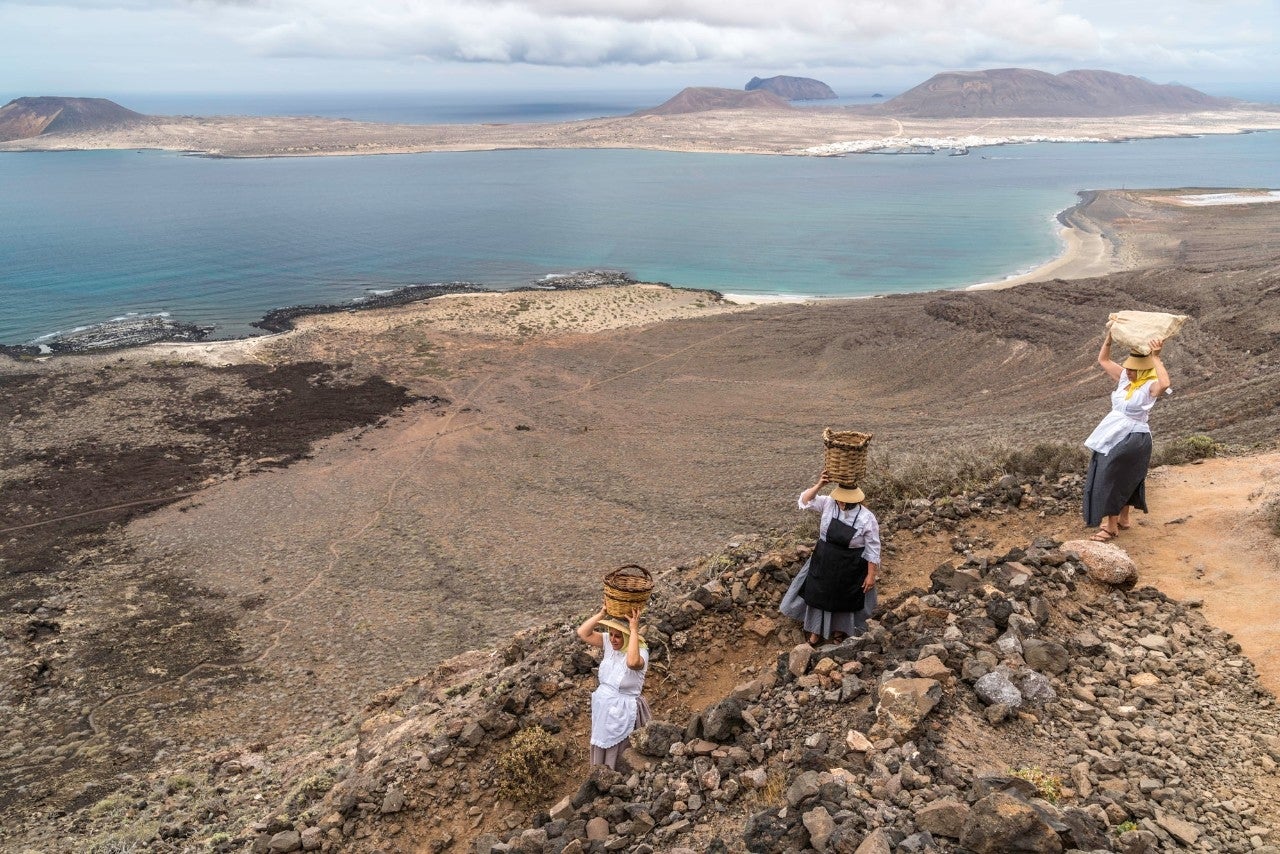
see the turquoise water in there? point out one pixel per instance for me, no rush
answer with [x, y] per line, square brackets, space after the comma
[86, 236]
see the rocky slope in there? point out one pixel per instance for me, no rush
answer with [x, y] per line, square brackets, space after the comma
[1006, 92]
[23, 118]
[792, 88]
[701, 99]
[1030, 700]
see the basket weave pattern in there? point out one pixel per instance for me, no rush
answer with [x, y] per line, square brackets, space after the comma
[846, 455]
[626, 589]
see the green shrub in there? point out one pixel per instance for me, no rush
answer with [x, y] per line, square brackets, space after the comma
[527, 767]
[1188, 449]
[1126, 826]
[1048, 785]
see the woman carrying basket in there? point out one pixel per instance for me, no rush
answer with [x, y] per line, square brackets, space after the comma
[835, 592]
[616, 705]
[1121, 443]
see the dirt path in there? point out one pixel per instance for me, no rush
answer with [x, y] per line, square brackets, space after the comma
[1205, 538]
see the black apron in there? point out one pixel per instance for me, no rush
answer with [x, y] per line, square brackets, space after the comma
[836, 571]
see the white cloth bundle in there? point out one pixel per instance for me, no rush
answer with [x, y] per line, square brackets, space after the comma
[1133, 329]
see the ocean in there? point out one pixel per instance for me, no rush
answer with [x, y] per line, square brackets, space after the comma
[88, 236]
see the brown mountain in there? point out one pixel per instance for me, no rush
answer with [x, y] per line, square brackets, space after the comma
[700, 99]
[792, 88]
[23, 118]
[1004, 92]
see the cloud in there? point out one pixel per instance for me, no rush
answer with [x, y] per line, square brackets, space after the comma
[1127, 35]
[571, 33]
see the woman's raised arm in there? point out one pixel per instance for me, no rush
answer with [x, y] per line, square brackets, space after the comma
[1104, 359]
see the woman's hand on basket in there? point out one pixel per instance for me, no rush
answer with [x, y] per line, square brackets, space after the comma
[824, 478]
[633, 620]
[1156, 345]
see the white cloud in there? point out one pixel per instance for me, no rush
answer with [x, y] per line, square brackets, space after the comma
[232, 36]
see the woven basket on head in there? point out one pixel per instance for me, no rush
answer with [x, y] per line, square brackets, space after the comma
[626, 589]
[846, 457]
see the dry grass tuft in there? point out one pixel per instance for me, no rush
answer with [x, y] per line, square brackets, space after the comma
[528, 766]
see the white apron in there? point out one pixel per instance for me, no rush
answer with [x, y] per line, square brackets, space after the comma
[613, 704]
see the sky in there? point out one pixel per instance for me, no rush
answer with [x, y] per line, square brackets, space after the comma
[103, 47]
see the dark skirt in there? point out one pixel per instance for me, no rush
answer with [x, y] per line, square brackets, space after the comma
[1117, 479]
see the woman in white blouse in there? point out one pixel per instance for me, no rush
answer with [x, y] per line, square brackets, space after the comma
[616, 705]
[1121, 443]
[835, 592]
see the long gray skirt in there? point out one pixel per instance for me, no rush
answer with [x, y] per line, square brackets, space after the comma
[825, 623]
[1117, 478]
[609, 755]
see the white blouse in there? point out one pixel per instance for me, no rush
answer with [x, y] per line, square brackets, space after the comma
[1125, 417]
[866, 528]
[613, 703]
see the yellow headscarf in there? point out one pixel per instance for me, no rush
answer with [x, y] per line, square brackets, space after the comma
[1145, 376]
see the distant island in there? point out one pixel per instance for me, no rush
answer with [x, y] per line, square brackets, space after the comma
[953, 111]
[1027, 93]
[701, 99]
[24, 118]
[792, 88]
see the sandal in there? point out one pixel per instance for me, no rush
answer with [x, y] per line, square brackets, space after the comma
[1102, 535]
[839, 637]
[814, 639]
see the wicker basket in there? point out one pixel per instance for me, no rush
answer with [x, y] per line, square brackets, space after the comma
[846, 457]
[626, 589]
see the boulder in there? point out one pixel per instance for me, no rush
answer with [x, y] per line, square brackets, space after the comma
[903, 705]
[820, 826]
[944, 817]
[1105, 562]
[1003, 824]
[799, 658]
[996, 689]
[1036, 688]
[877, 842]
[723, 720]
[1046, 656]
[655, 738]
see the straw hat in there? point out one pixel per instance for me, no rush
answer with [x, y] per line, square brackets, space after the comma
[1139, 361]
[849, 494]
[617, 626]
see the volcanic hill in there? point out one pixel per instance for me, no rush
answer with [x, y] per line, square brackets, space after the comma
[700, 99]
[23, 118]
[1025, 92]
[792, 88]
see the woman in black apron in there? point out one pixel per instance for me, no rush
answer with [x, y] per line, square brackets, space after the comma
[835, 592]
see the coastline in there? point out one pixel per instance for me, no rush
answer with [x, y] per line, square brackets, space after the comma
[796, 133]
[1087, 251]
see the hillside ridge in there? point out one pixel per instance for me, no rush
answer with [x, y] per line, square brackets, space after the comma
[1028, 93]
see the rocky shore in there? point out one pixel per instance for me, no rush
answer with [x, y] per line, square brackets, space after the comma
[282, 319]
[110, 335]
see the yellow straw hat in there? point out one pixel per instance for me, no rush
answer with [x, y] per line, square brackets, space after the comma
[617, 626]
[849, 494]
